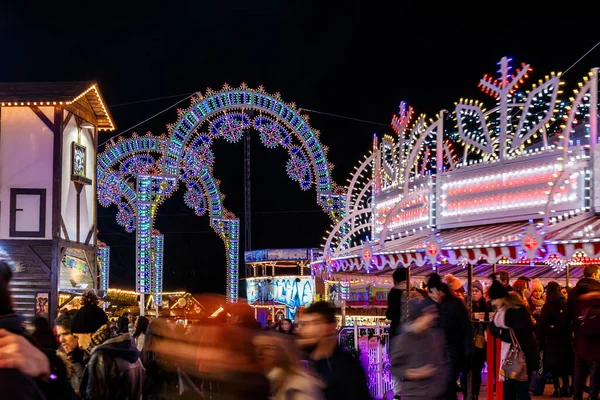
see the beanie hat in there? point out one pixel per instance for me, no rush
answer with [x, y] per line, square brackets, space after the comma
[105, 332]
[497, 291]
[536, 284]
[88, 319]
[477, 285]
[453, 282]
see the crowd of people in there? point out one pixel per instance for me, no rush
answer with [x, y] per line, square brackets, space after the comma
[85, 355]
[547, 334]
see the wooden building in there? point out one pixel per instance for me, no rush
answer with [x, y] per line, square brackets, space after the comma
[48, 142]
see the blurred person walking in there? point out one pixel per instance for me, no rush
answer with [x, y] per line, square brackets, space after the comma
[289, 380]
[27, 372]
[455, 324]
[141, 326]
[342, 373]
[418, 356]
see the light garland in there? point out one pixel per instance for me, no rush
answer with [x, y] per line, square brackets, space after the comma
[103, 257]
[157, 268]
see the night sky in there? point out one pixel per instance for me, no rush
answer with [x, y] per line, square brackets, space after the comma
[349, 58]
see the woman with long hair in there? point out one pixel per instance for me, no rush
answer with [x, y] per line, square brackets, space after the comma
[141, 326]
[278, 357]
[285, 326]
[479, 307]
[555, 339]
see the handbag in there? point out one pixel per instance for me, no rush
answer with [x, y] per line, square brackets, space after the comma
[515, 366]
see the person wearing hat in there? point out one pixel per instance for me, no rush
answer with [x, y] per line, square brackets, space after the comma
[418, 356]
[455, 286]
[114, 369]
[511, 314]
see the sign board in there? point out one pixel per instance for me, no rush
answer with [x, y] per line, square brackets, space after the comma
[75, 271]
[277, 255]
[516, 190]
[292, 291]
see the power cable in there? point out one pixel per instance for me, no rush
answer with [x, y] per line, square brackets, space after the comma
[151, 99]
[146, 120]
[345, 117]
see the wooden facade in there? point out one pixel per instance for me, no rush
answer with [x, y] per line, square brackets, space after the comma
[48, 142]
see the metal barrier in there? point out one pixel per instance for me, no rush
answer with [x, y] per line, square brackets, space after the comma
[373, 353]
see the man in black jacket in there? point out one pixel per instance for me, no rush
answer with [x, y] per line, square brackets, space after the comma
[585, 347]
[114, 369]
[342, 373]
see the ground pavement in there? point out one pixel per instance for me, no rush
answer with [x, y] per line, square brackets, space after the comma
[482, 396]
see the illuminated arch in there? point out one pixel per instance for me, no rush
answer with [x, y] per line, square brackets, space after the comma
[230, 112]
[185, 155]
[117, 168]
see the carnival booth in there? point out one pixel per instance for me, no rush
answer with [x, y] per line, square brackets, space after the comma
[279, 283]
[511, 186]
[47, 189]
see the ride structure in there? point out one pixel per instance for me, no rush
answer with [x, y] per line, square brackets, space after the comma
[139, 173]
[513, 186]
[279, 284]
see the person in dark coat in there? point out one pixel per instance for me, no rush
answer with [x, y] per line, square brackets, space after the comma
[587, 349]
[555, 339]
[511, 313]
[114, 370]
[455, 323]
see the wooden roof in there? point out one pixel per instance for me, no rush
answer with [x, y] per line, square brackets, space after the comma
[74, 94]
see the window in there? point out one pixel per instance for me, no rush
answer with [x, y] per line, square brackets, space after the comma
[27, 212]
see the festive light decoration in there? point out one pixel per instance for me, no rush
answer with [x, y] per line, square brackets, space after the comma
[527, 157]
[187, 155]
[104, 264]
[298, 168]
[230, 127]
[126, 218]
[272, 134]
[194, 198]
[157, 267]
[144, 234]
[557, 264]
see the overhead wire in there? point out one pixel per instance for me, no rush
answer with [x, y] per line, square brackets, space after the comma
[146, 120]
